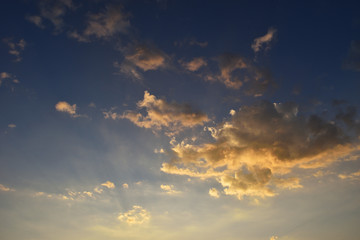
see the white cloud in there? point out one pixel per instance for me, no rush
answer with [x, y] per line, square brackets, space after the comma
[259, 42]
[137, 215]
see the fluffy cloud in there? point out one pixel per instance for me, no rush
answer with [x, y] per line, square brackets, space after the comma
[161, 114]
[142, 58]
[137, 215]
[169, 189]
[53, 11]
[352, 62]
[63, 106]
[237, 72]
[15, 48]
[213, 192]
[265, 40]
[194, 64]
[103, 25]
[108, 184]
[254, 153]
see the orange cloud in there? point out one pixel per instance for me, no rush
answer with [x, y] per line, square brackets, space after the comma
[161, 114]
[255, 152]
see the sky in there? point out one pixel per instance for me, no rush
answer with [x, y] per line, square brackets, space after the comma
[168, 119]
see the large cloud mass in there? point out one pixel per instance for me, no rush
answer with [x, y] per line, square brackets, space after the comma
[256, 152]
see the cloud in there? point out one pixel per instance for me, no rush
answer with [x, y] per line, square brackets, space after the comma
[352, 62]
[255, 152]
[125, 186]
[169, 189]
[73, 195]
[161, 114]
[108, 184]
[237, 72]
[352, 176]
[11, 125]
[191, 42]
[63, 106]
[213, 192]
[265, 40]
[194, 64]
[137, 215]
[8, 77]
[53, 11]
[6, 189]
[5, 75]
[142, 59]
[15, 47]
[104, 25]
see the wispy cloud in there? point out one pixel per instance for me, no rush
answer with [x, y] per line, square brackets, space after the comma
[8, 78]
[15, 48]
[352, 176]
[104, 25]
[263, 42]
[136, 215]
[238, 72]
[141, 59]
[53, 11]
[255, 152]
[174, 117]
[191, 42]
[6, 189]
[352, 61]
[169, 189]
[194, 64]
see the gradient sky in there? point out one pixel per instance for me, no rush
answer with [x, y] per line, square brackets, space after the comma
[179, 120]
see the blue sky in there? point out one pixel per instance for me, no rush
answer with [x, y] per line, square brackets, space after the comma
[179, 120]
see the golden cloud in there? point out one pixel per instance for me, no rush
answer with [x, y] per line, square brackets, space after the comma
[161, 114]
[63, 106]
[264, 40]
[254, 153]
[137, 215]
